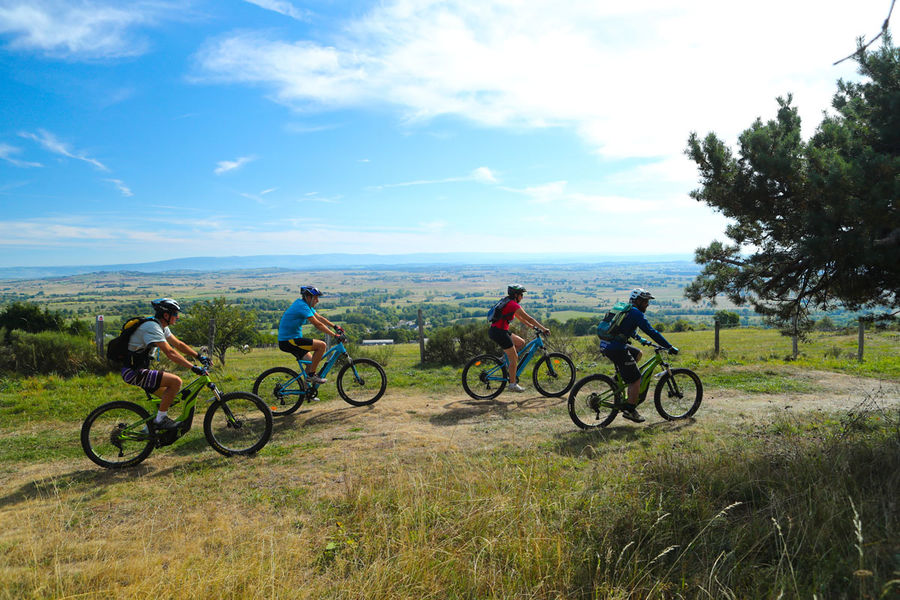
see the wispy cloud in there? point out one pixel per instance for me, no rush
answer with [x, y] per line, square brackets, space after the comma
[120, 185]
[6, 152]
[225, 166]
[282, 7]
[51, 143]
[631, 79]
[258, 197]
[480, 175]
[87, 29]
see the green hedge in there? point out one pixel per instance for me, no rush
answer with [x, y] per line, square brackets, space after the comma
[455, 345]
[49, 352]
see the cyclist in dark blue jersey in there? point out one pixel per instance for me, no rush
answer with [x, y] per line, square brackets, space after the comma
[625, 356]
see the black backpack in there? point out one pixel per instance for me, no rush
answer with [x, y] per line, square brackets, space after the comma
[496, 312]
[117, 348]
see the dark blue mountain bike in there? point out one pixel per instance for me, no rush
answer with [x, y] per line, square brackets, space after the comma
[360, 382]
[486, 376]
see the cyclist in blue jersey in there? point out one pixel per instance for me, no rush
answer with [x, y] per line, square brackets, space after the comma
[625, 356]
[290, 331]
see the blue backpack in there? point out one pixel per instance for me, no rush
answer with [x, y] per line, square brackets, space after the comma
[607, 329]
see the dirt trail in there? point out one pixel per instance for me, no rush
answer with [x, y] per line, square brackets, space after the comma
[456, 420]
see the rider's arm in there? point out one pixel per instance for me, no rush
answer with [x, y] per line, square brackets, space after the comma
[173, 354]
[528, 320]
[182, 347]
[322, 324]
[647, 328]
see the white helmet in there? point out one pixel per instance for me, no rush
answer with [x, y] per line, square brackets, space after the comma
[639, 294]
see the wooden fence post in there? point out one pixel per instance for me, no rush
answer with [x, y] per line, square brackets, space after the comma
[717, 338]
[862, 330]
[421, 338]
[98, 335]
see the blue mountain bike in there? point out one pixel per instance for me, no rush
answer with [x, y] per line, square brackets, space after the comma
[486, 376]
[360, 382]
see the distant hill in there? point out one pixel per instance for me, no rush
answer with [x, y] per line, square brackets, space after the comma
[329, 261]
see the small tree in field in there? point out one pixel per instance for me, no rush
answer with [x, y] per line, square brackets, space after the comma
[815, 223]
[235, 326]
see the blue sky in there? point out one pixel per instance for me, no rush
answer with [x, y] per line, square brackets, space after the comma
[147, 130]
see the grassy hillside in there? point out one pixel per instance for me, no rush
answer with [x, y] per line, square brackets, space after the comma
[784, 485]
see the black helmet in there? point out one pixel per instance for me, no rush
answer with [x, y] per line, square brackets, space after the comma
[515, 288]
[165, 305]
[308, 290]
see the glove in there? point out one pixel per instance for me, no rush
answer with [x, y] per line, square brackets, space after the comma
[198, 370]
[204, 360]
[673, 350]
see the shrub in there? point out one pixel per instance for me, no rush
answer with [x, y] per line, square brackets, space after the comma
[457, 344]
[49, 352]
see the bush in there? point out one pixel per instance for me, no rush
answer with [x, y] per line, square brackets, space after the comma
[49, 352]
[457, 344]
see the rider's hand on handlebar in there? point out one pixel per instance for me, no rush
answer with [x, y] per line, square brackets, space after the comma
[204, 360]
[198, 370]
[673, 350]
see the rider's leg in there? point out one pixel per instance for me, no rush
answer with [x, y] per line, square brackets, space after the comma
[168, 388]
[513, 359]
[319, 348]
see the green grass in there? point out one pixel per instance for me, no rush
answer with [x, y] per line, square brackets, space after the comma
[469, 500]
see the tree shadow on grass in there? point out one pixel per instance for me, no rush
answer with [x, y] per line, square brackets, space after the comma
[593, 443]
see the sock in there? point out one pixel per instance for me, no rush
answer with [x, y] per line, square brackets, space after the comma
[160, 415]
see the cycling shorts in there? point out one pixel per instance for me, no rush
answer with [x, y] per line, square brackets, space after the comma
[146, 379]
[501, 337]
[297, 346]
[625, 361]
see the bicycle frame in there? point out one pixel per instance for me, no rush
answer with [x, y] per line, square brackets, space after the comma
[647, 373]
[331, 356]
[187, 399]
[525, 355]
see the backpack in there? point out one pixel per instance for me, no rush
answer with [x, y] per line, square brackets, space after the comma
[496, 312]
[117, 348]
[607, 328]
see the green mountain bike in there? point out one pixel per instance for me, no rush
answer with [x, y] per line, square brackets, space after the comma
[121, 433]
[595, 400]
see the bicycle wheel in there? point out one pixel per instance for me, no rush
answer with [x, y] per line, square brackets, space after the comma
[678, 396]
[361, 382]
[238, 423]
[116, 435]
[479, 377]
[279, 389]
[553, 374]
[590, 400]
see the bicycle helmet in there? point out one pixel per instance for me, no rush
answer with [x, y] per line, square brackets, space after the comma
[639, 294]
[308, 290]
[515, 288]
[165, 305]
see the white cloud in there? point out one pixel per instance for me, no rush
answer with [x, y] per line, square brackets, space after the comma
[6, 152]
[51, 143]
[120, 185]
[632, 79]
[83, 29]
[225, 166]
[480, 175]
[282, 7]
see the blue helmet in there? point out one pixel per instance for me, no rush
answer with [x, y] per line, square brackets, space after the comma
[308, 290]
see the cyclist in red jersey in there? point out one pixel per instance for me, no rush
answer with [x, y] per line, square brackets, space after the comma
[511, 343]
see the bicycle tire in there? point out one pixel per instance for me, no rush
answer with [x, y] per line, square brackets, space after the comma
[478, 386]
[105, 433]
[678, 396]
[358, 391]
[238, 423]
[584, 401]
[559, 381]
[268, 386]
